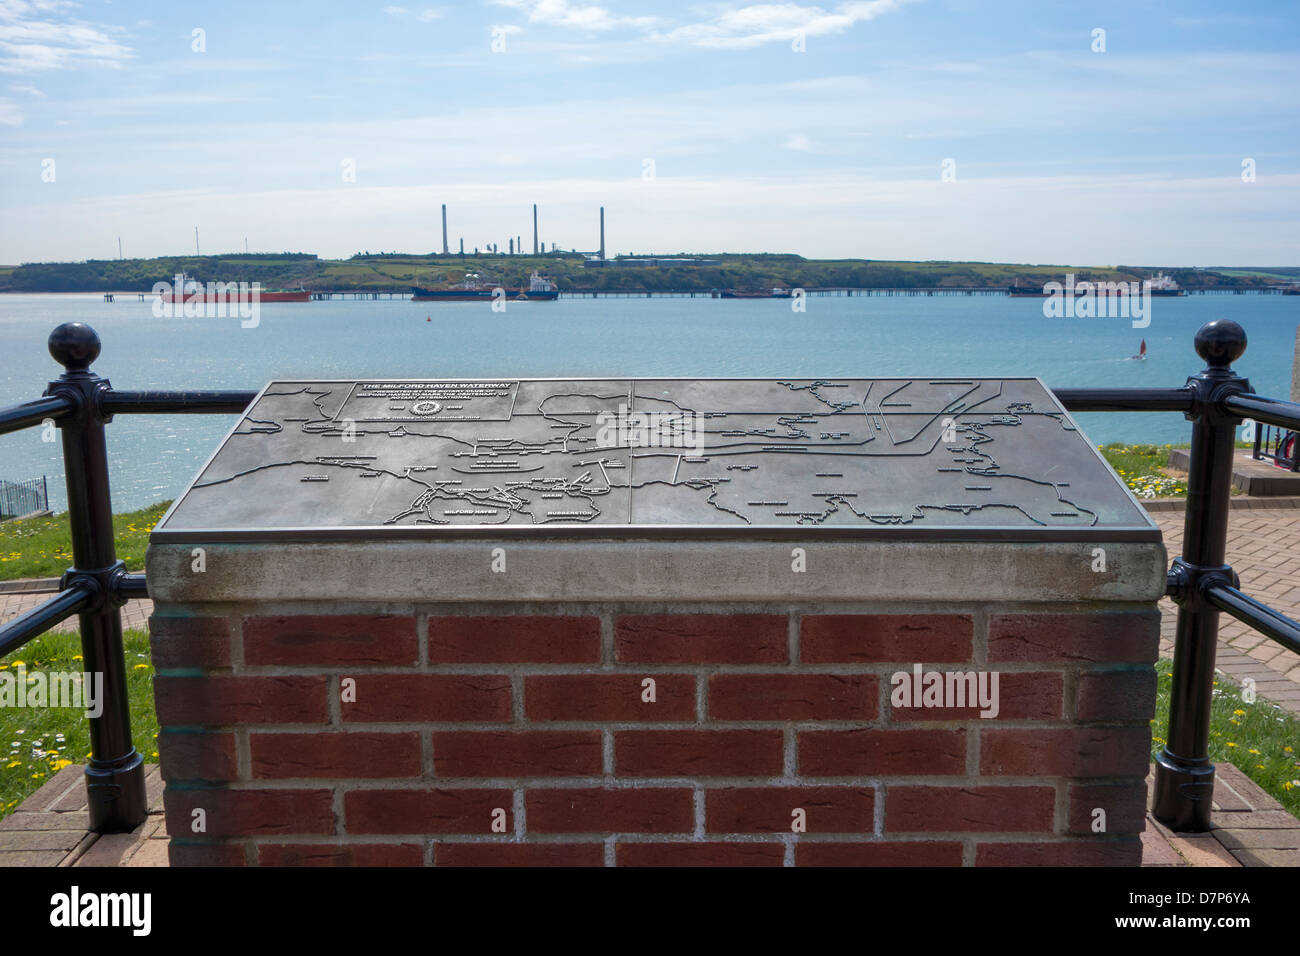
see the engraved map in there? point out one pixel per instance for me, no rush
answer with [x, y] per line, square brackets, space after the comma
[791, 453]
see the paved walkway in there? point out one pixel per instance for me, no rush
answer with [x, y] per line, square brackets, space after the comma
[49, 829]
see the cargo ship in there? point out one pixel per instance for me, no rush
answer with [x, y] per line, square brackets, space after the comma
[473, 289]
[192, 289]
[737, 294]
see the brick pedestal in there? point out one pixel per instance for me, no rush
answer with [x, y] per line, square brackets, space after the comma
[652, 702]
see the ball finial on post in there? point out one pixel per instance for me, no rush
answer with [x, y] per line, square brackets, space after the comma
[74, 345]
[1220, 342]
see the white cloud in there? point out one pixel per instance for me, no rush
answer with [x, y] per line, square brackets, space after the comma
[427, 15]
[35, 36]
[10, 114]
[26, 89]
[759, 23]
[562, 13]
[798, 141]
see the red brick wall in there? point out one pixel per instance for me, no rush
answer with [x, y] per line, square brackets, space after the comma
[536, 721]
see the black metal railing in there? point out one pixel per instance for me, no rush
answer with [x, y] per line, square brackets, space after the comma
[1215, 400]
[1281, 446]
[18, 498]
[81, 403]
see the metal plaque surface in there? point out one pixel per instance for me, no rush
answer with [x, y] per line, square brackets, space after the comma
[952, 458]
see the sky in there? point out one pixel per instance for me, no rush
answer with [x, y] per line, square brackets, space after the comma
[1140, 132]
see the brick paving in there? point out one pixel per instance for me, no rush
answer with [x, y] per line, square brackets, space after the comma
[49, 828]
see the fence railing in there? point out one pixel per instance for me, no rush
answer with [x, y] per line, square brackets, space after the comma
[18, 498]
[1215, 400]
[1281, 446]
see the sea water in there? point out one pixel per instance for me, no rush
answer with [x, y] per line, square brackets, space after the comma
[153, 457]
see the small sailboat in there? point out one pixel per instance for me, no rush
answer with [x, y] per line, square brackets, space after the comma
[1142, 352]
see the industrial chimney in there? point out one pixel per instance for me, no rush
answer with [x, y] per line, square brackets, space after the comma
[602, 232]
[444, 229]
[534, 228]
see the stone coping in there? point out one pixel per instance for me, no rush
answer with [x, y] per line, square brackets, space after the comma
[657, 570]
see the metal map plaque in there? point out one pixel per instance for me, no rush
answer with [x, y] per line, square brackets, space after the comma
[951, 458]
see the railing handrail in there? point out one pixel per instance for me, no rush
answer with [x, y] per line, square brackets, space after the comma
[1215, 400]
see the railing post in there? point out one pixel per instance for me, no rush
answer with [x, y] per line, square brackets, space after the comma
[1184, 778]
[115, 771]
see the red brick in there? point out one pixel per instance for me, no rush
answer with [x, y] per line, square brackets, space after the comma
[514, 639]
[206, 854]
[250, 812]
[1031, 695]
[910, 809]
[611, 697]
[700, 854]
[1125, 805]
[698, 753]
[793, 697]
[340, 854]
[426, 811]
[335, 755]
[519, 854]
[876, 853]
[1117, 695]
[1108, 638]
[197, 756]
[543, 753]
[1068, 752]
[1077, 853]
[225, 701]
[769, 809]
[702, 638]
[873, 638]
[621, 810]
[856, 753]
[331, 640]
[200, 643]
[428, 697]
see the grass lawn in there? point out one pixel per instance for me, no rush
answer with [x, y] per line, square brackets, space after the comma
[1142, 467]
[38, 741]
[1260, 739]
[42, 547]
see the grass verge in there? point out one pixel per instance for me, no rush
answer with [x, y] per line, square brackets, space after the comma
[1142, 468]
[1260, 739]
[42, 547]
[39, 741]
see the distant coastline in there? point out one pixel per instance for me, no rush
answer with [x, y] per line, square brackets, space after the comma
[576, 273]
